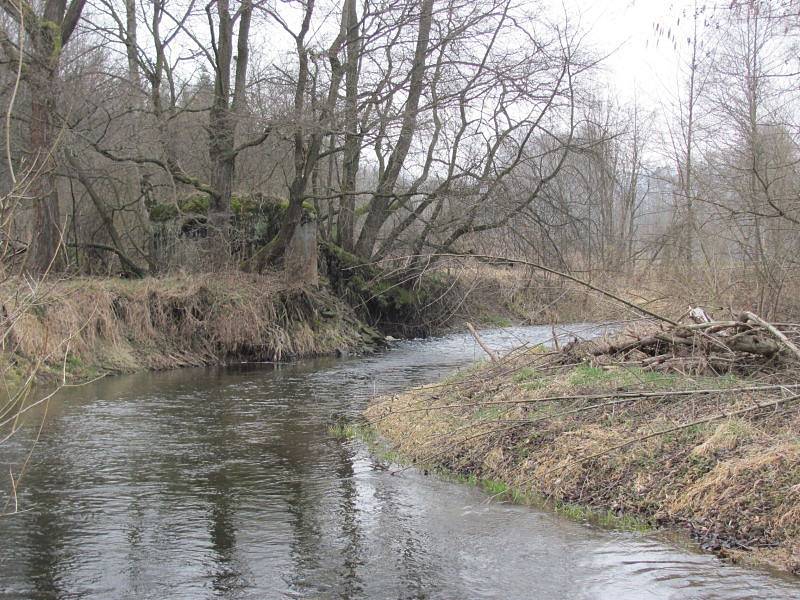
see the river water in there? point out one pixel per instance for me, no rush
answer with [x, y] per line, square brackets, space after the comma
[225, 483]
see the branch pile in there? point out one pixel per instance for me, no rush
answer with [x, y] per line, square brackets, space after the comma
[745, 345]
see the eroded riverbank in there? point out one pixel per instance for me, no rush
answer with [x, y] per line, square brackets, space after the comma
[77, 329]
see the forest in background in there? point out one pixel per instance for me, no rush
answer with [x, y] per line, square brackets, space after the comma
[170, 136]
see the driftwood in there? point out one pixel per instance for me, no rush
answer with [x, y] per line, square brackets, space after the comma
[748, 344]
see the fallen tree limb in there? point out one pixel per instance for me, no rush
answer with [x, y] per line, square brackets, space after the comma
[481, 343]
[539, 267]
[777, 333]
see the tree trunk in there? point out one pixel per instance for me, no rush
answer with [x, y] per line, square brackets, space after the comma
[379, 205]
[222, 117]
[131, 47]
[352, 138]
[46, 244]
[220, 123]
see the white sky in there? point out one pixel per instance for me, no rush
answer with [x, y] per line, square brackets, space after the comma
[641, 65]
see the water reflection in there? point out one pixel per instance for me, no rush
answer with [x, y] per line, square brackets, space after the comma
[225, 484]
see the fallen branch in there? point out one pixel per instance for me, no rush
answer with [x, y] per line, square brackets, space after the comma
[777, 333]
[481, 343]
[539, 267]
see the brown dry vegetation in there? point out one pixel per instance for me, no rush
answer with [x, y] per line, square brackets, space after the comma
[522, 293]
[623, 439]
[77, 328]
[85, 326]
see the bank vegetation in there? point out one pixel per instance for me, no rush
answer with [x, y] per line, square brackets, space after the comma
[692, 426]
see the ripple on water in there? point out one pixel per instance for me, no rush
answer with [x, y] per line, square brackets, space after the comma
[224, 483]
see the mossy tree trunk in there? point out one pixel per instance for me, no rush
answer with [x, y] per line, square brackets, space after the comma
[43, 37]
[307, 140]
[226, 103]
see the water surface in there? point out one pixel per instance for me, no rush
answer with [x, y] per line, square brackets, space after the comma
[224, 483]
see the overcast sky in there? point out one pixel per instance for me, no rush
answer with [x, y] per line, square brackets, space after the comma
[640, 63]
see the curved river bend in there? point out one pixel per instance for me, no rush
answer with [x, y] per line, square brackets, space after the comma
[225, 483]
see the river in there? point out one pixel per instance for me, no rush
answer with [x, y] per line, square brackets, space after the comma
[225, 483]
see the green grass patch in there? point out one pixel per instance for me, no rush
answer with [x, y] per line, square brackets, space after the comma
[526, 374]
[587, 375]
[602, 518]
[352, 431]
[497, 321]
[574, 512]
[489, 413]
[367, 435]
[530, 379]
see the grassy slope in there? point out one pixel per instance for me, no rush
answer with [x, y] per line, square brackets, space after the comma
[735, 482]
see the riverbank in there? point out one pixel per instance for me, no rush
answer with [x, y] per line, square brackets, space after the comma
[628, 443]
[76, 329]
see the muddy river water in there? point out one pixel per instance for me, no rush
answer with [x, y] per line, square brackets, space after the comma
[225, 483]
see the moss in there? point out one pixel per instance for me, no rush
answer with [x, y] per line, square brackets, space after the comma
[53, 31]
[258, 204]
[245, 204]
[309, 208]
[196, 204]
[160, 213]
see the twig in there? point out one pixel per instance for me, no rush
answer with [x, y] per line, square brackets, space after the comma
[633, 441]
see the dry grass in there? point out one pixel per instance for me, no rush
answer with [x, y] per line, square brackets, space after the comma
[86, 325]
[493, 295]
[530, 295]
[540, 427]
